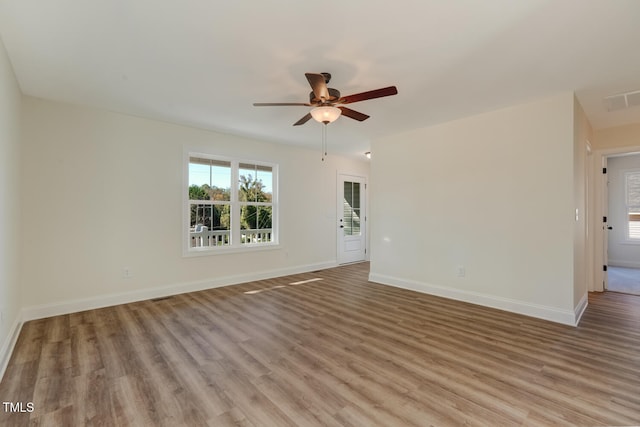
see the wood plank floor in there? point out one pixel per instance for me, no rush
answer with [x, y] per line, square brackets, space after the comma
[338, 350]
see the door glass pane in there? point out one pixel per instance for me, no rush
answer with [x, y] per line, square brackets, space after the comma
[351, 211]
[355, 223]
[348, 192]
[356, 195]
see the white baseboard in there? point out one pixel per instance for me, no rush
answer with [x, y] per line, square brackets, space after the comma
[9, 344]
[566, 317]
[625, 264]
[581, 307]
[74, 306]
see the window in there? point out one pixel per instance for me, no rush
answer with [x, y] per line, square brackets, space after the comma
[632, 193]
[231, 204]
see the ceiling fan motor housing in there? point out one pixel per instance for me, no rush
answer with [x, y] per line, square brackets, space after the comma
[334, 95]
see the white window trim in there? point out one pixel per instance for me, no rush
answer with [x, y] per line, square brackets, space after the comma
[235, 246]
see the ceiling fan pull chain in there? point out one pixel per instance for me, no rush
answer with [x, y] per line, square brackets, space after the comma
[324, 141]
[324, 136]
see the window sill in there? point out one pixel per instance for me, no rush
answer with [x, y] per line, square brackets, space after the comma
[223, 250]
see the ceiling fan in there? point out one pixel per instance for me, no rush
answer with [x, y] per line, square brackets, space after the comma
[327, 101]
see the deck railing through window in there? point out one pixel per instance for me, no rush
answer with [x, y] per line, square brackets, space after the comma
[208, 238]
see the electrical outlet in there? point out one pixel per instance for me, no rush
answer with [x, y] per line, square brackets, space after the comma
[127, 273]
[460, 271]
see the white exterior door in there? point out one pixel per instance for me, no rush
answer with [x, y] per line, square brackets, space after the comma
[351, 219]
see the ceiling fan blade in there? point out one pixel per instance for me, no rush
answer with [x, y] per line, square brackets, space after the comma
[363, 96]
[303, 120]
[278, 104]
[353, 114]
[319, 86]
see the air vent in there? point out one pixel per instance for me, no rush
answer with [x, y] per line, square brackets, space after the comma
[622, 101]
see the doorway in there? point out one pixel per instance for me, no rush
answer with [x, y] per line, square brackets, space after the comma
[352, 219]
[621, 222]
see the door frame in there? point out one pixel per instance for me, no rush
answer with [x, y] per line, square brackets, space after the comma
[596, 225]
[340, 178]
[589, 213]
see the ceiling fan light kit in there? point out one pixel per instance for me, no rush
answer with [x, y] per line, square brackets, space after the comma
[326, 114]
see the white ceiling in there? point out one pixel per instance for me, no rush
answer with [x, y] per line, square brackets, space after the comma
[204, 62]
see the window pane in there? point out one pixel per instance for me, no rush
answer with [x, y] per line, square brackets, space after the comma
[633, 188]
[248, 217]
[633, 214]
[214, 217]
[255, 217]
[256, 224]
[256, 183]
[210, 225]
[209, 179]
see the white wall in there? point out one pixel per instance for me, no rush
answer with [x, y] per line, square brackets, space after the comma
[616, 138]
[493, 193]
[88, 174]
[621, 252]
[10, 98]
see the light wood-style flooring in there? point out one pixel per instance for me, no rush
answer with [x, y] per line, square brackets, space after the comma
[326, 349]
